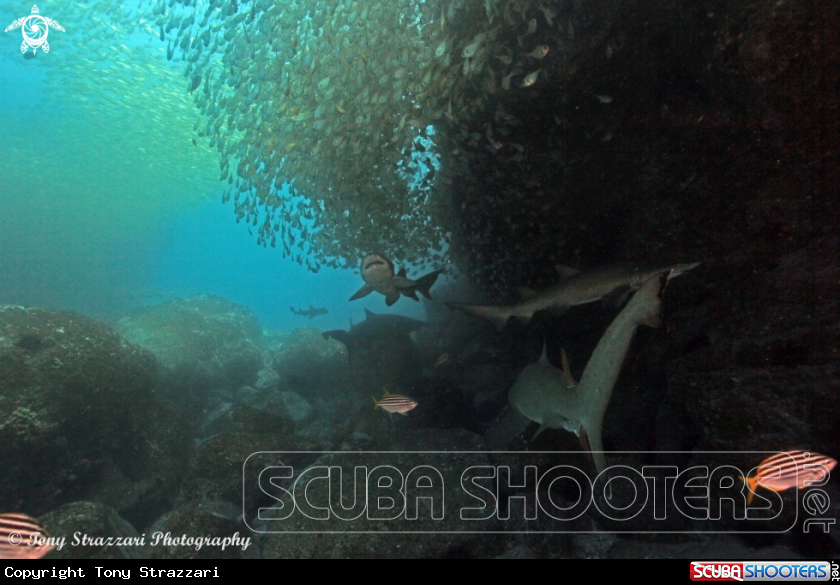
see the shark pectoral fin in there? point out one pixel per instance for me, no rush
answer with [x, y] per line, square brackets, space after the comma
[391, 300]
[525, 292]
[362, 292]
[567, 373]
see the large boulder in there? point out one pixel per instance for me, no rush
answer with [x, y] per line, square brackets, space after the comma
[100, 524]
[78, 417]
[308, 364]
[203, 343]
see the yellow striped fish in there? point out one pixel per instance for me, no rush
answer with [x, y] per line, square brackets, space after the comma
[19, 537]
[790, 469]
[394, 403]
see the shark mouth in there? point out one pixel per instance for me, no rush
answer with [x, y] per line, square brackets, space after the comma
[376, 260]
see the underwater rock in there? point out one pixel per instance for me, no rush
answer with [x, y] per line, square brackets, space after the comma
[263, 412]
[77, 411]
[215, 473]
[267, 378]
[394, 545]
[94, 521]
[700, 547]
[202, 343]
[325, 431]
[519, 552]
[768, 377]
[307, 363]
[196, 521]
[299, 409]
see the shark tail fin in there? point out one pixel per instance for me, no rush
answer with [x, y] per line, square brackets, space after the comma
[424, 283]
[498, 316]
[680, 269]
[645, 308]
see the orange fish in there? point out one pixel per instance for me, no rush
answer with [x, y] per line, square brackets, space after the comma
[18, 537]
[781, 472]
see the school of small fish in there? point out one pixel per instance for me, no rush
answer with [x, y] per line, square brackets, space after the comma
[320, 112]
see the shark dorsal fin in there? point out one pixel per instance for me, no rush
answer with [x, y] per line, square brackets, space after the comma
[567, 373]
[311, 308]
[566, 271]
[402, 272]
[525, 292]
[544, 356]
[369, 314]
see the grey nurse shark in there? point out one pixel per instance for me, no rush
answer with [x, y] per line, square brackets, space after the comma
[374, 328]
[378, 273]
[311, 313]
[550, 396]
[608, 282]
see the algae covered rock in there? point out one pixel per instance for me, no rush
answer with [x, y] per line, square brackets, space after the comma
[307, 363]
[86, 528]
[203, 343]
[441, 455]
[76, 405]
[200, 532]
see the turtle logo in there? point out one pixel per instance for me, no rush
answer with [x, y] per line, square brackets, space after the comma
[35, 30]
